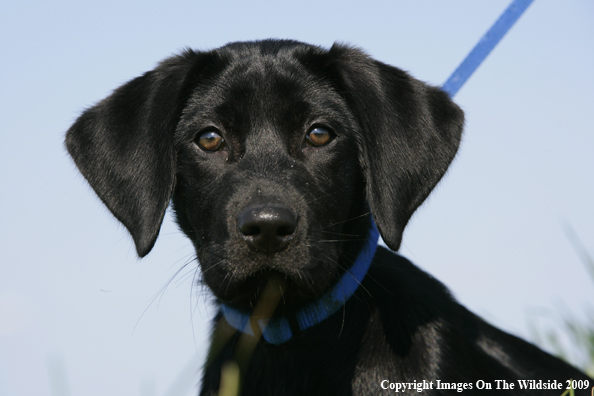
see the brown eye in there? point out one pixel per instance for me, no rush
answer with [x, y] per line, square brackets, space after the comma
[319, 136]
[210, 141]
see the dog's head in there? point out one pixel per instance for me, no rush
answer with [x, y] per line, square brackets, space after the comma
[273, 154]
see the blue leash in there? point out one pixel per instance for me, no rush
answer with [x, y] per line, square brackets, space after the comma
[485, 46]
[278, 330]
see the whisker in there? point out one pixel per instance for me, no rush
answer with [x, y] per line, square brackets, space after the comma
[184, 277]
[348, 271]
[204, 293]
[161, 292]
[347, 220]
[230, 276]
[317, 198]
[340, 240]
[222, 261]
[340, 233]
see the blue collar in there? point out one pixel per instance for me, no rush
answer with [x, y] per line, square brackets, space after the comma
[277, 330]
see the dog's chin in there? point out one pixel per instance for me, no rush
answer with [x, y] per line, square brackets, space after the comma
[288, 293]
[241, 282]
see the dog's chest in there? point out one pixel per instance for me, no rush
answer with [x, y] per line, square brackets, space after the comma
[322, 360]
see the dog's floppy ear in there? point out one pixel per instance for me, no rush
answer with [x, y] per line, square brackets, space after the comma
[124, 147]
[409, 134]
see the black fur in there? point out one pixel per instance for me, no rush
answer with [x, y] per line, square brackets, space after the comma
[393, 139]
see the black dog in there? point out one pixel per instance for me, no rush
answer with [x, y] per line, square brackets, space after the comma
[280, 159]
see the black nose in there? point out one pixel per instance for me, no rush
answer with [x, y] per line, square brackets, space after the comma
[268, 228]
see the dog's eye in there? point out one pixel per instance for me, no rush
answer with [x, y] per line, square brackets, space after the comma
[319, 136]
[210, 141]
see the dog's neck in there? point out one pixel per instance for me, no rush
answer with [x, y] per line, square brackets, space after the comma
[277, 330]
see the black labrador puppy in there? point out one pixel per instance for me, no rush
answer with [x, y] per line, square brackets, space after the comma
[283, 160]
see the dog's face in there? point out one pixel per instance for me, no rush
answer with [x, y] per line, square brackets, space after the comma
[268, 179]
[273, 153]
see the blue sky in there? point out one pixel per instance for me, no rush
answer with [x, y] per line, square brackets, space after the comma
[77, 303]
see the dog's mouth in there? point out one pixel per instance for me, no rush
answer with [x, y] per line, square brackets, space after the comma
[265, 292]
[292, 293]
[237, 275]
